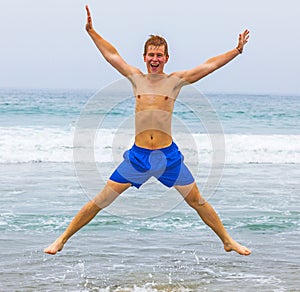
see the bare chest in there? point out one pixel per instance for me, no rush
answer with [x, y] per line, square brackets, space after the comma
[148, 102]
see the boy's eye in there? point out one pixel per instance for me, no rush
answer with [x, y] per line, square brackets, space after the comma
[158, 55]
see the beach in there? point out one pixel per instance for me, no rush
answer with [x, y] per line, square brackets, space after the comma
[149, 240]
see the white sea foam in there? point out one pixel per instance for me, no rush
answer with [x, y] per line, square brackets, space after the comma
[23, 145]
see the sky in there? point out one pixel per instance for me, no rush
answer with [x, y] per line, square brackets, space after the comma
[44, 44]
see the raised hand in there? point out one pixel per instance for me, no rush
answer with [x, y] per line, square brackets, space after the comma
[243, 39]
[88, 25]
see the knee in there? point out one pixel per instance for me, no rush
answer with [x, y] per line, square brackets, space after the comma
[104, 199]
[195, 202]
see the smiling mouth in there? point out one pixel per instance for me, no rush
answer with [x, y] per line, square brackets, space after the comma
[154, 65]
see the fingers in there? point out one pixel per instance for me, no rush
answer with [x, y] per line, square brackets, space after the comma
[244, 37]
[87, 10]
[89, 19]
[88, 13]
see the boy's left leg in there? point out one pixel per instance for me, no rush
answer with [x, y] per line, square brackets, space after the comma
[193, 197]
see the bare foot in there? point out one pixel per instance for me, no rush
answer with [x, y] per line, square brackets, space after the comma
[55, 247]
[234, 246]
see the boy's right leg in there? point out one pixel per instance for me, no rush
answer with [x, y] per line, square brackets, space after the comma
[109, 193]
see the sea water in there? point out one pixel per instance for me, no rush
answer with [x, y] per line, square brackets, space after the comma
[149, 240]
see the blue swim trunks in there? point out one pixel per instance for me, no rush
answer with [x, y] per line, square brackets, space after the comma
[166, 164]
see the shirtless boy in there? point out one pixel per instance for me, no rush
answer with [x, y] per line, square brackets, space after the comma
[154, 153]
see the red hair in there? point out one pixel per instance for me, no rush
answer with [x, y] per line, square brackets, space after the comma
[157, 41]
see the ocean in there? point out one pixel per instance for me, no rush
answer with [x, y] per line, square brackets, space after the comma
[244, 150]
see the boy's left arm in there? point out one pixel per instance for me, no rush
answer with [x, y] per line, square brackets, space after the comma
[214, 63]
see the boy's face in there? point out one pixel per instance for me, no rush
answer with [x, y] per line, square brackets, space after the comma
[155, 59]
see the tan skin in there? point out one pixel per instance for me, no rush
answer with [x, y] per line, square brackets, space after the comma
[155, 93]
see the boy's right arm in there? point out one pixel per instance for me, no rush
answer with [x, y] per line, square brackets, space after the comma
[108, 51]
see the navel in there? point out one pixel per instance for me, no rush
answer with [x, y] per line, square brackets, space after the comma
[138, 96]
[166, 97]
